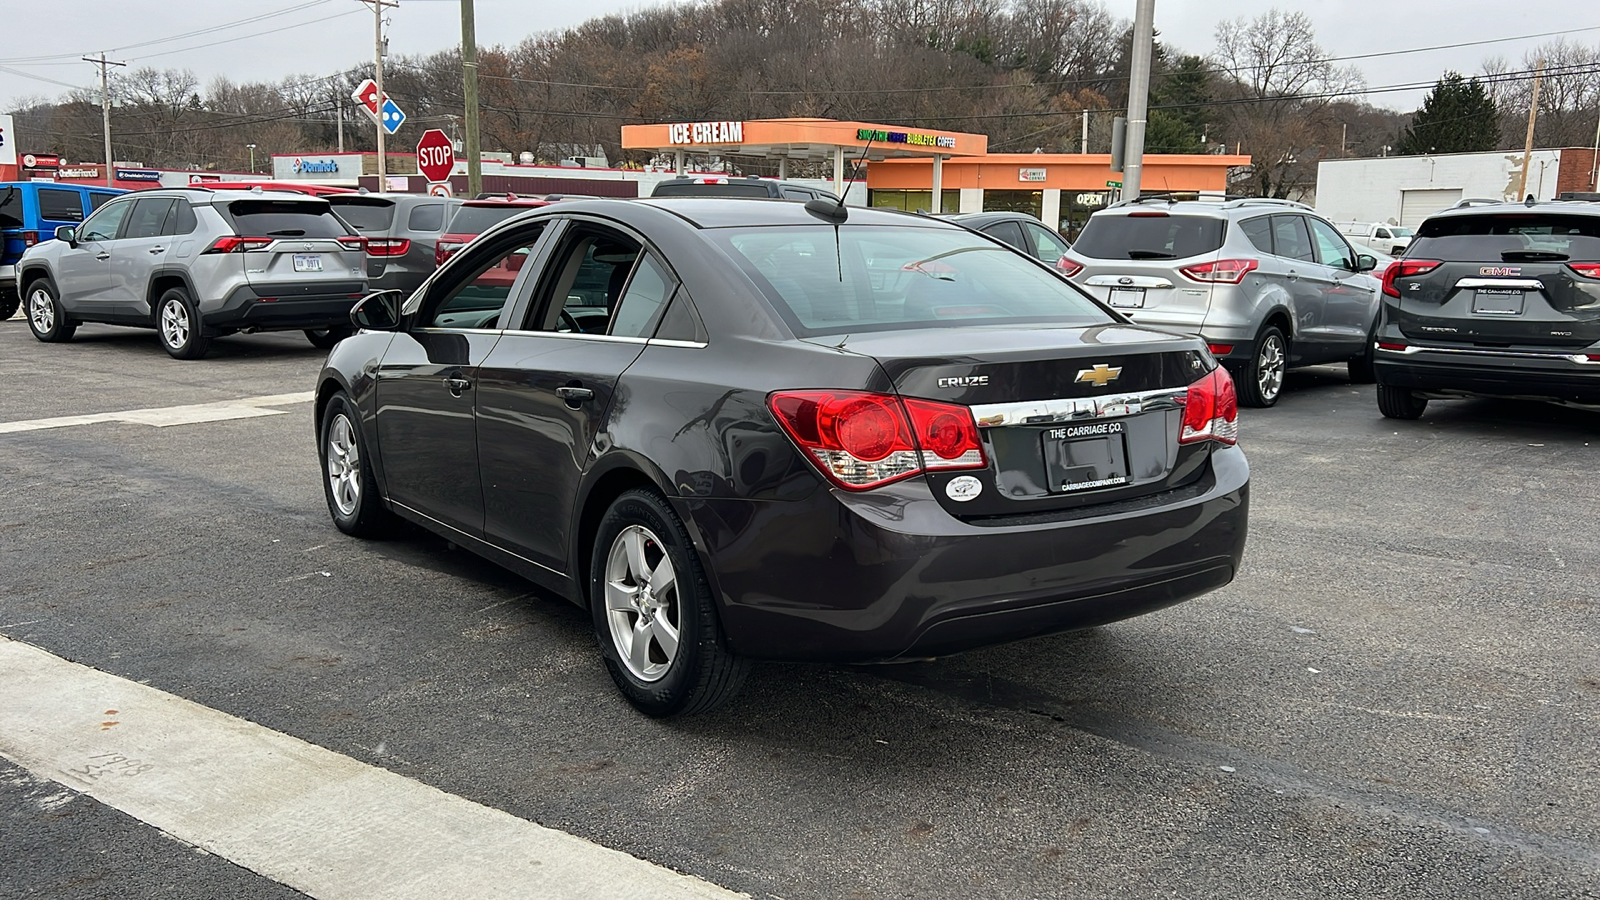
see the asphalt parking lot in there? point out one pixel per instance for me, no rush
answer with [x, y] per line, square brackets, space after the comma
[1398, 697]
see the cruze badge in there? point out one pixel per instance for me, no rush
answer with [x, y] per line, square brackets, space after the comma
[1099, 376]
[964, 381]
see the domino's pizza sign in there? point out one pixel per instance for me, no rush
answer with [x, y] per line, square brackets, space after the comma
[314, 166]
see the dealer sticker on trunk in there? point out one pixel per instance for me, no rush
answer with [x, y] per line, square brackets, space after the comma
[963, 488]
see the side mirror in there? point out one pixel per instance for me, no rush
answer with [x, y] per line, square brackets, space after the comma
[67, 233]
[1366, 262]
[378, 311]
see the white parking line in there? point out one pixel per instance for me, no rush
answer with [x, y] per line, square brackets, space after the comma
[163, 416]
[322, 823]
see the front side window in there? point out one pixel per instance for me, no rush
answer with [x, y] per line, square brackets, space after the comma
[57, 205]
[823, 280]
[103, 225]
[481, 289]
[147, 217]
[1331, 248]
[586, 281]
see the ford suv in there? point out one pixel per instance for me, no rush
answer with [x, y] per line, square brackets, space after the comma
[1267, 283]
[195, 264]
[1500, 300]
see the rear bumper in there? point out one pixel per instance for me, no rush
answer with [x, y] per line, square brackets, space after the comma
[860, 578]
[316, 306]
[1461, 372]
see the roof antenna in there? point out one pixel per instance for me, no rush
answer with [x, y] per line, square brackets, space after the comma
[836, 212]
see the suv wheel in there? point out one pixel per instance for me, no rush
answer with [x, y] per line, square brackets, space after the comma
[9, 301]
[1261, 381]
[325, 338]
[1399, 403]
[46, 319]
[178, 322]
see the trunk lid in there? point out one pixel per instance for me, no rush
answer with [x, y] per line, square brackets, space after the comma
[1069, 417]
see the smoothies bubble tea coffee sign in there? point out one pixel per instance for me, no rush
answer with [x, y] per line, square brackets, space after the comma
[905, 137]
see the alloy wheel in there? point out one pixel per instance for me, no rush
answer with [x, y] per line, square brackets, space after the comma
[174, 324]
[41, 310]
[641, 598]
[344, 465]
[1270, 365]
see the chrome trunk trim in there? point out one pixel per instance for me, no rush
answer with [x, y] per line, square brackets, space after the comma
[1074, 409]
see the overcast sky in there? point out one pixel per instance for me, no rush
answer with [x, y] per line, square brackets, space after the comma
[319, 37]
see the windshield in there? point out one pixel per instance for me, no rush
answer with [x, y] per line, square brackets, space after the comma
[366, 215]
[285, 218]
[478, 219]
[1149, 236]
[824, 280]
[1527, 237]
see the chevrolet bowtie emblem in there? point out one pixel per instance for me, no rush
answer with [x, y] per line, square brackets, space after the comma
[1100, 376]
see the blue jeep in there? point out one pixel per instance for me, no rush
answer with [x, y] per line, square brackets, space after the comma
[30, 211]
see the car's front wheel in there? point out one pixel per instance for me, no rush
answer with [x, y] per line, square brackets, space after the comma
[325, 338]
[1399, 403]
[347, 480]
[46, 319]
[183, 335]
[653, 612]
[1261, 380]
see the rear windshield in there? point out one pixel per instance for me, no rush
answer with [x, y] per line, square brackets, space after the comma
[285, 218]
[1508, 237]
[711, 190]
[1158, 236]
[875, 278]
[366, 215]
[10, 207]
[478, 219]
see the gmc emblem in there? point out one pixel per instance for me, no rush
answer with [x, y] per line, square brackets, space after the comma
[1500, 271]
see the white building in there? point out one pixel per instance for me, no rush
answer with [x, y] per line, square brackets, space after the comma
[1404, 190]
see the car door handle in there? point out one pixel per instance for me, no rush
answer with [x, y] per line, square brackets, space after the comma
[1293, 275]
[102, 255]
[574, 395]
[457, 384]
[158, 249]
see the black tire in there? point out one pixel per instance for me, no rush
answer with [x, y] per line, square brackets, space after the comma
[701, 673]
[1361, 371]
[10, 300]
[178, 326]
[1399, 403]
[325, 338]
[353, 499]
[1260, 379]
[46, 318]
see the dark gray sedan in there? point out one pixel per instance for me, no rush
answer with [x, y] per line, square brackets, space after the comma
[738, 430]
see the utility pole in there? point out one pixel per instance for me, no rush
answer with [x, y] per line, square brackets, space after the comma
[378, 6]
[469, 84]
[105, 110]
[1533, 116]
[1144, 26]
[1084, 145]
[339, 107]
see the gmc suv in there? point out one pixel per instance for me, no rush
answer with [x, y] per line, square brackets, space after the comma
[1500, 300]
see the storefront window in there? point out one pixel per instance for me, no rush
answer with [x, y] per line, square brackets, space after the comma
[1030, 202]
[914, 201]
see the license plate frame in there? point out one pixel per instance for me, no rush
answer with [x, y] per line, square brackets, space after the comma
[1085, 457]
[307, 262]
[1498, 302]
[1126, 298]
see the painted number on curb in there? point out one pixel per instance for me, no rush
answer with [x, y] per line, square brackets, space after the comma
[103, 764]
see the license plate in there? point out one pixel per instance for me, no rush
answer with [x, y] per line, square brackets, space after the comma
[307, 262]
[1497, 302]
[1127, 298]
[1085, 457]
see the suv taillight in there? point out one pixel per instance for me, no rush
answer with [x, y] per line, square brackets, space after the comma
[236, 244]
[1068, 266]
[1405, 268]
[29, 238]
[1222, 271]
[1211, 410]
[353, 242]
[444, 249]
[861, 440]
[388, 246]
[1587, 270]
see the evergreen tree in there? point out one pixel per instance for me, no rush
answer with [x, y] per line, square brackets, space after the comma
[1457, 116]
[1185, 89]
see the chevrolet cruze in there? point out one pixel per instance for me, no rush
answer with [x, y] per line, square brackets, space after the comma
[737, 429]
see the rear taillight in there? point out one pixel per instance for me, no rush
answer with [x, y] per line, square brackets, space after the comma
[1211, 410]
[353, 242]
[862, 440]
[29, 238]
[236, 244]
[388, 246]
[1405, 268]
[1587, 270]
[1068, 266]
[1222, 271]
[443, 250]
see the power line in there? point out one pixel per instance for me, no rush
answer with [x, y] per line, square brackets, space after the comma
[177, 37]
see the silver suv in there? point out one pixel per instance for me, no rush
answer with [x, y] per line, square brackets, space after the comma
[195, 264]
[1267, 283]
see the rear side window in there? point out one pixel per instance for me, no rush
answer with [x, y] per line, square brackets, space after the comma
[1008, 232]
[182, 220]
[641, 303]
[711, 190]
[285, 218]
[10, 207]
[57, 205]
[1259, 231]
[1158, 236]
[478, 219]
[428, 217]
[1290, 239]
[795, 194]
[148, 215]
[1509, 237]
[823, 280]
[367, 216]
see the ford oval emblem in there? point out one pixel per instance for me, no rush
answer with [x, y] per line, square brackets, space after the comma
[1125, 280]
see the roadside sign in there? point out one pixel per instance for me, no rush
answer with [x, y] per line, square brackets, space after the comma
[1114, 184]
[367, 95]
[435, 156]
[442, 189]
[393, 118]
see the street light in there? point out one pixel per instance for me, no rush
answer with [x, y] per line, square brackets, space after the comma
[252, 158]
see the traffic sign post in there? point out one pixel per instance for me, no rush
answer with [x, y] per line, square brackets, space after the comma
[1113, 184]
[436, 157]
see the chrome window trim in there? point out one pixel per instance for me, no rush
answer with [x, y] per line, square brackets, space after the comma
[1503, 284]
[1581, 359]
[432, 329]
[577, 335]
[1074, 409]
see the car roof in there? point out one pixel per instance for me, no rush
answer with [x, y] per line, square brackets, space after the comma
[990, 216]
[1563, 207]
[727, 212]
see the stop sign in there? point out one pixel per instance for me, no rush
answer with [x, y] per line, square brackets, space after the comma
[435, 156]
